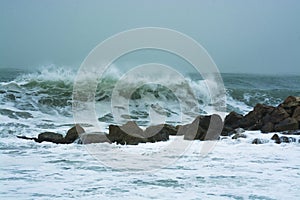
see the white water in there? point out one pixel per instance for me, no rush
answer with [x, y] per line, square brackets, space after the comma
[235, 169]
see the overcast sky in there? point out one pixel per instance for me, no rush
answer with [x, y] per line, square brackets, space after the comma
[257, 36]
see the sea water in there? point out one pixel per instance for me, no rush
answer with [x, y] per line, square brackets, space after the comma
[41, 100]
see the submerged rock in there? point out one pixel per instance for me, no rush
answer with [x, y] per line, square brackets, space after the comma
[50, 137]
[238, 135]
[276, 139]
[257, 141]
[57, 138]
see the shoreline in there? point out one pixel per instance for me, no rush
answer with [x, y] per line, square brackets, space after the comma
[283, 119]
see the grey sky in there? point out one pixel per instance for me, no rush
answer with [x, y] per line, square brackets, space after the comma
[241, 36]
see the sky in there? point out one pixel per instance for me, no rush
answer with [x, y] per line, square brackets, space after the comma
[249, 36]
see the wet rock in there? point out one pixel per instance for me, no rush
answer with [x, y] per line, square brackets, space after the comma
[89, 138]
[50, 137]
[267, 128]
[238, 135]
[232, 120]
[287, 124]
[73, 134]
[129, 134]
[227, 131]
[253, 120]
[204, 128]
[290, 103]
[296, 114]
[158, 133]
[257, 141]
[276, 116]
[285, 139]
[276, 139]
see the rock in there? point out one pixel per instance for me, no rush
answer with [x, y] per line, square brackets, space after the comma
[50, 137]
[290, 103]
[276, 116]
[239, 135]
[237, 132]
[232, 120]
[227, 131]
[158, 133]
[276, 138]
[129, 134]
[285, 139]
[267, 128]
[296, 114]
[287, 124]
[253, 120]
[73, 134]
[88, 138]
[204, 128]
[257, 141]
[182, 129]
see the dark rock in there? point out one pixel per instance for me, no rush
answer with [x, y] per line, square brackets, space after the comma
[267, 128]
[130, 134]
[290, 103]
[276, 138]
[50, 137]
[88, 138]
[239, 135]
[296, 114]
[204, 128]
[276, 116]
[182, 129]
[227, 131]
[73, 134]
[257, 141]
[287, 124]
[158, 133]
[232, 120]
[253, 120]
[285, 139]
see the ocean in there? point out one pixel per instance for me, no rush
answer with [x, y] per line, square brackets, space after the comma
[39, 100]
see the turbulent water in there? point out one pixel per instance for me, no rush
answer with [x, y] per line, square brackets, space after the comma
[41, 100]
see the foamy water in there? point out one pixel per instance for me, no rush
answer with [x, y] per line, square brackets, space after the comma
[34, 102]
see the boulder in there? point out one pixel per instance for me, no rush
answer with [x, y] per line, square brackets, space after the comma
[267, 128]
[287, 124]
[290, 103]
[50, 137]
[204, 128]
[257, 141]
[276, 116]
[276, 139]
[238, 135]
[285, 139]
[253, 120]
[88, 138]
[296, 114]
[232, 120]
[73, 134]
[129, 133]
[158, 133]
